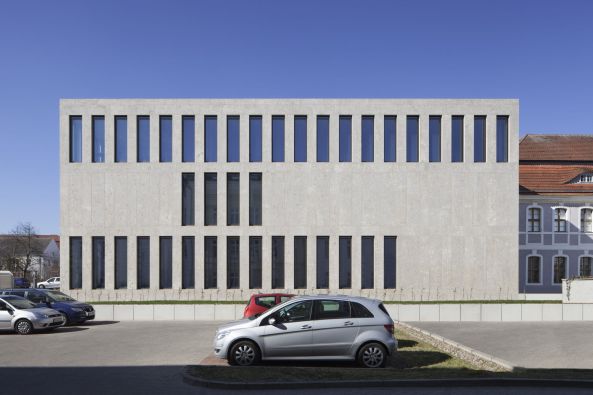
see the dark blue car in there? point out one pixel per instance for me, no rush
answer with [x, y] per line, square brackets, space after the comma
[73, 311]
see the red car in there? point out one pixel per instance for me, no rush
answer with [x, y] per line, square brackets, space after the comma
[258, 303]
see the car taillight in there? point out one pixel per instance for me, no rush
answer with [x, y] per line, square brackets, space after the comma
[389, 328]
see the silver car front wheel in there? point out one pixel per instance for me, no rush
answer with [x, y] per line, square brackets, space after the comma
[372, 355]
[244, 353]
[23, 327]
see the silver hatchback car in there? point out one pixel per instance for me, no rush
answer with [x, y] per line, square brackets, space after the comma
[311, 328]
[23, 316]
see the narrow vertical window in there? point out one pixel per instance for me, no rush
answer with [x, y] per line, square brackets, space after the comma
[367, 153]
[188, 138]
[188, 214]
[479, 138]
[121, 262]
[533, 270]
[165, 138]
[278, 138]
[121, 139]
[98, 138]
[367, 263]
[389, 138]
[300, 262]
[210, 195]
[188, 264]
[98, 262]
[559, 220]
[75, 262]
[277, 262]
[559, 269]
[345, 262]
[300, 138]
[75, 138]
[412, 126]
[255, 258]
[585, 266]
[534, 219]
[210, 262]
[322, 255]
[586, 220]
[165, 262]
[232, 262]
[143, 262]
[457, 138]
[502, 138]
[233, 139]
[210, 138]
[255, 199]
[255, 138]
[389, 262]
[143, 138]
[232, 199]
[322, 138]
[345, 135]
[434, 138]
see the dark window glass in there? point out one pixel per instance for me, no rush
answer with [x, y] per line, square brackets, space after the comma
[255, 198]
[75, 138]
[165, 262]
[368, 139]
[300, 138]
[331, 309]
[233, 141]
[232, 199]
[345, 138]
[165, 138]
[143, 262]
[187, 199]
[300, 262]
[143, 138]
[345, 262]
[367, 263]
[559, 269]
[412, 125]
[278, 138]
[210, 196]
[457, 138]
[121, 262]
[322, 262]
[232, 262]
[533, 270]
[75, 262]
[502, 138]
[480, 138]
[359, 311]
[188, 262]
[98, 262]
[188, 138]
[277, 261]
[295, 312]
[98, 138]
[255, 258]
[255, 138]
[434, 139]
[210, 262]
[210, 138]
[322, 138]
[389, 142]
[389, 261]
[121, 139]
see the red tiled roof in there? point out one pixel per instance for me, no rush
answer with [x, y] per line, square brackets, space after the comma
[556, 147]
[553, 179]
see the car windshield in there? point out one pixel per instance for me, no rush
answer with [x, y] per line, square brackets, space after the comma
[21, 304]
[57, 296]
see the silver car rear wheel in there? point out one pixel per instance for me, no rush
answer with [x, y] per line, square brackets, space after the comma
[372, 355]
[244, 353]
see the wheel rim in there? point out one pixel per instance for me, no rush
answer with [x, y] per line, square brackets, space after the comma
[244, 355]
[372, 357]
[23, 327]
[65, 318]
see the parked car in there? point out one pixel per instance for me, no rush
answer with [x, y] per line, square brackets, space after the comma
[311, 328]
[258, 303]
[50, 283]
[73, 311]
[23, 316]
[21, 282]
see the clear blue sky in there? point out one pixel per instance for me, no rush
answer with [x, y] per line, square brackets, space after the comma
[540, 52]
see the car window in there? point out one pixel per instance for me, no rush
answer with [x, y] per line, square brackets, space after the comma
[331, 309]
[266, 301]
[295, 312]
[51, 280]
[284, 298]
[18, 293]
[22, 304]
[2, 305]
[36, 297]
[359, 311]
[383, 309]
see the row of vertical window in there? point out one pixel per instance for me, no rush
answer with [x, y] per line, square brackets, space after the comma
[534, 219]
[210, 280]
[278, 138]
[560, 268]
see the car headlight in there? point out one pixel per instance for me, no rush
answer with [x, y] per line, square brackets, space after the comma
[77, 309]
[221, 335]
[40, 315]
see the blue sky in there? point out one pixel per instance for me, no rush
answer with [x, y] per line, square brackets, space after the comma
[540, 52]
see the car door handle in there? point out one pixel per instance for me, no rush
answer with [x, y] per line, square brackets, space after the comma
[348, 323]
[306, 327]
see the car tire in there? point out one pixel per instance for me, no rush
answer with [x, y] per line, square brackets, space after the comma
[244, 353]
[65, 317]
[42, 286]
[23, 327]
[372, 355]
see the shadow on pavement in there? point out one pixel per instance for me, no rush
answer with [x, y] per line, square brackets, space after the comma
[97, 323]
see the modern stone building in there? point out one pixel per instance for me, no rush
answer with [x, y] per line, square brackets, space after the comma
[217, 199]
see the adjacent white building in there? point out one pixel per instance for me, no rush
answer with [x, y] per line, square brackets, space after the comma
[217, 199]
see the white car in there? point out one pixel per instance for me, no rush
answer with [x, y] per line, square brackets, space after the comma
[50, 283]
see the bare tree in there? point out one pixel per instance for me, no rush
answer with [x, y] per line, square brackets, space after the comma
[23, 237]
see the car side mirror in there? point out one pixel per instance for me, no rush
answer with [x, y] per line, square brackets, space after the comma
[271, 321]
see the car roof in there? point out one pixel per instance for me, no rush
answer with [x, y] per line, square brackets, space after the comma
[272, 294]
[11, 297]
[338, 297]
[25, 289]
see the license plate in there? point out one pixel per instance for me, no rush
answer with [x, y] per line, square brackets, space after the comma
[57, 320]
[90, 314]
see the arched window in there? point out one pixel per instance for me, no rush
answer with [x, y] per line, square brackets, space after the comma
[585, 266]
[586, 220]
[534, 215]
[534, 269]
[559, 269]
